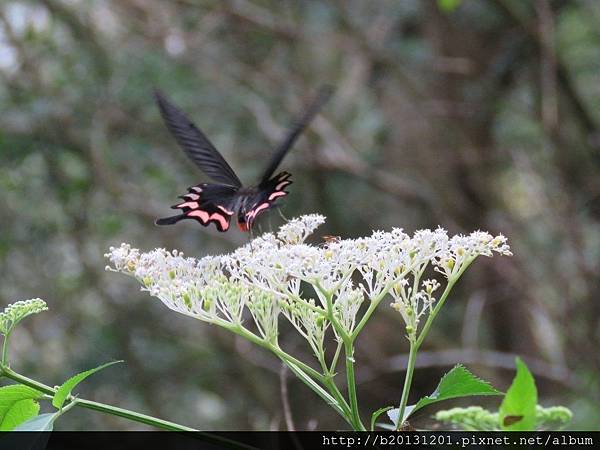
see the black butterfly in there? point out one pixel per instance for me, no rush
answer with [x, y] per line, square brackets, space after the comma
[217, 203]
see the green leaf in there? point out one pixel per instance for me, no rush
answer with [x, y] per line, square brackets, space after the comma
[377, 413]
[19, 412]
[43, 422]
[448, 6]
[11, 398]
[65, 389]
[459, 382]
[518, 409]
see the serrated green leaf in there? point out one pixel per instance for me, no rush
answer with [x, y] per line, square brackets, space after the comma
[65, 389]
[20, 411]
[43, 422]
[459, 382]
[518, 409]
[377, 413]
[448, 6]
[15, 393]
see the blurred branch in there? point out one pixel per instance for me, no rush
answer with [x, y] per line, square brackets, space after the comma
[550, 118]
[285, 401]
[490, 358]
[83, 34]
[564, 80]
[258, 16]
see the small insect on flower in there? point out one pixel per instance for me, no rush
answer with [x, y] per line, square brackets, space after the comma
[328, 239]
[217, 202]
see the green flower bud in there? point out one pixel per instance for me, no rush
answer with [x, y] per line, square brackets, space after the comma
[187, 301]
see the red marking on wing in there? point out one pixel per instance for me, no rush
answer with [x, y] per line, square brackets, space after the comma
[192, 205]
[206, 218]
[250, 216]
[225, 210]
[274, 195]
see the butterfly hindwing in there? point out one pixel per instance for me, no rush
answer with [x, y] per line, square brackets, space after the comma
[267, 194]
[206, 203]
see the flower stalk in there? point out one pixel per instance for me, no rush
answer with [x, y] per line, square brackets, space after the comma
[96, 406]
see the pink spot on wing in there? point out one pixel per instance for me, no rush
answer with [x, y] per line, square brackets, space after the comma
[206, 218]
[191, 196]
[202, 215]
[219, 218]
[192, 205]
[274, 195]
[225, 210]
[196, 189]
[281, 185]
[252, 214]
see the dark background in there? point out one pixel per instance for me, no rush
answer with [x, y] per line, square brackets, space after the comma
[466, 114]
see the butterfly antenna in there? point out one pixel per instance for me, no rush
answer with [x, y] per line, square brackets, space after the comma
[281, 214]
[251, 236]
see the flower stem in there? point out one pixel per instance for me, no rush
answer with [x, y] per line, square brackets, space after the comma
[4, 360]
[349, 353]
[416, 343]
[96, 406]
[430, 318]
[412, 357]
[367, 315]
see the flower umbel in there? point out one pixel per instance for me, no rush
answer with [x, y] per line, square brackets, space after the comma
[262, 278]
[15, 312]
[319, 289]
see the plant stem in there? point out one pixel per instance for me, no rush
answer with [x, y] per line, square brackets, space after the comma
[412, 357]
[286, 357]
[451, 282]
[367, 315]
[349, 353]
[5, 349]
[335, 358]
[131, 415]
[96, 406]
[416, 343]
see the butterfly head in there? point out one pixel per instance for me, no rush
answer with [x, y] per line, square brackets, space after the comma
[243, 226]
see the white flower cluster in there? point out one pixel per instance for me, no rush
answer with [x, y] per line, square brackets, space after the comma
[15, 312]
[267, 278]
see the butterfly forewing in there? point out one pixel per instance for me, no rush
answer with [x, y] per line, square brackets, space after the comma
[195, 144]
[295, 130]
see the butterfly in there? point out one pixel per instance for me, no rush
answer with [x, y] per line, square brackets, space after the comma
[218, 202]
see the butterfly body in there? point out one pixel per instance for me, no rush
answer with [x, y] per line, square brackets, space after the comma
[217, 203]
[214, 203]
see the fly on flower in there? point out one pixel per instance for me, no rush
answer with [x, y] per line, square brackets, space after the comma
[217, 202]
